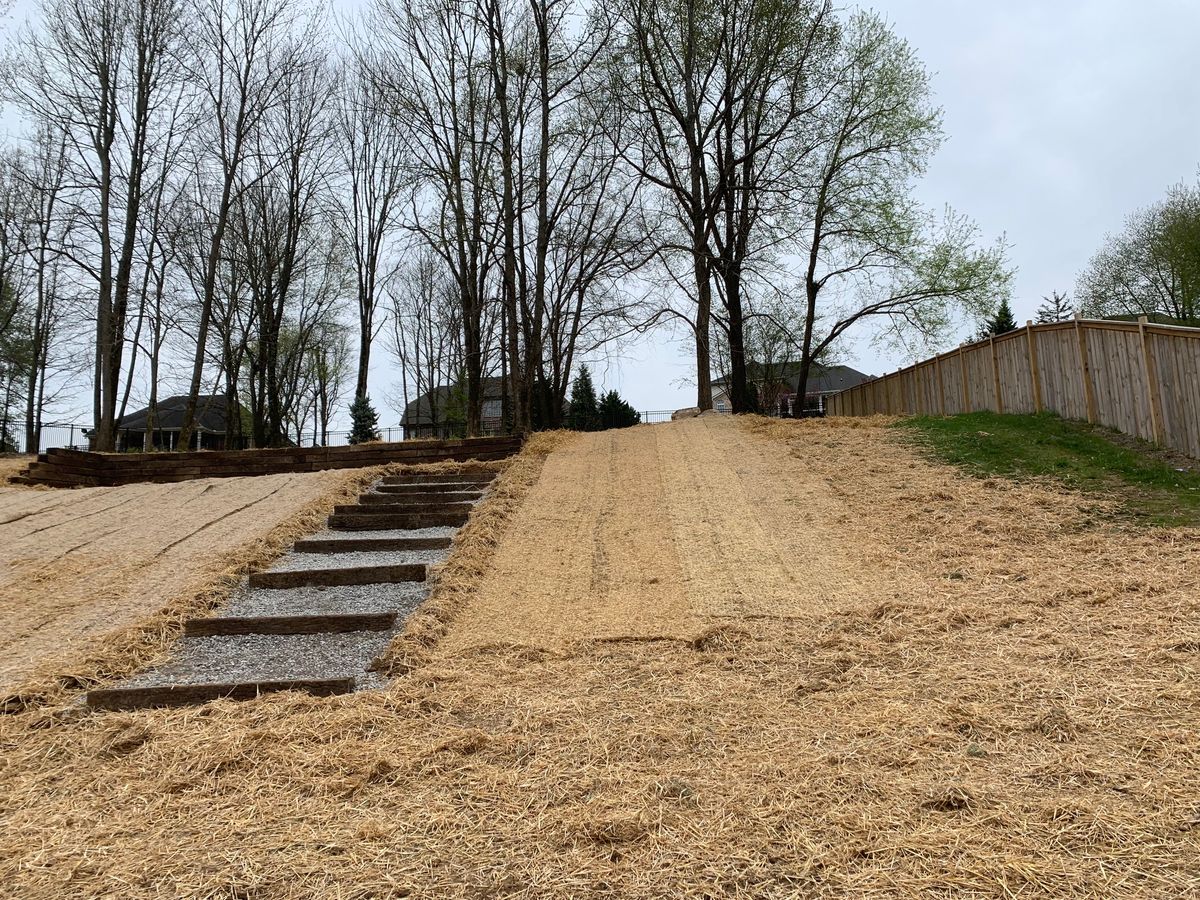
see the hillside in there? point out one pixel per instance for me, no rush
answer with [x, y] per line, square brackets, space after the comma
[709, 658]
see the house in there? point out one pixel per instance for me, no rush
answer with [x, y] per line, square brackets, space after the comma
[441, 413]
[777, 384]
[168, 420]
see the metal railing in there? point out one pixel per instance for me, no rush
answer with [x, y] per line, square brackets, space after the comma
[14, 438]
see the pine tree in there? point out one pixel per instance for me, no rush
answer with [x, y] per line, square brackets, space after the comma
[616, 413]
[1003, 321]
[364, 421]
[1056, 308]
[583, 414]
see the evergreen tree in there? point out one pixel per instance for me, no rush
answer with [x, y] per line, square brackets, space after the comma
[364, 421]
[1002, 322]
[583, 413]
[616, 413]
[1055, 308]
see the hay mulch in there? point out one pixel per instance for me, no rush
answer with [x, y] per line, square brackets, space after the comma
[12, 465]
[95, 583]
[1002, 703]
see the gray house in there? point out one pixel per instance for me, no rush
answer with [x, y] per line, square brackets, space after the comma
[210, 425]
[777, 385]
[441, 413]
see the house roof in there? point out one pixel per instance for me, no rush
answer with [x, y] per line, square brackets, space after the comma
[420, 410]
[821, 379]
[210, 415]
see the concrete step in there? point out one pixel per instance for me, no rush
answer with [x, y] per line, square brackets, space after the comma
[319, 624]
[379, 521]
[370, 545]
[336, 577]
[440, 478]
[428, 498]
[125, 698]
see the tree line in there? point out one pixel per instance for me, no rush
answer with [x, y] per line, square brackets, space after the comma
[250, 198]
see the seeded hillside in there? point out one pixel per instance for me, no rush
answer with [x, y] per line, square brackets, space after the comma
[705, 659]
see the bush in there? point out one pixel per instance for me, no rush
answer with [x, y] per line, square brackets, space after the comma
[616, 413]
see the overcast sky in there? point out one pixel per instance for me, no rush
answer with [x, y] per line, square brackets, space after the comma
[1061, 116]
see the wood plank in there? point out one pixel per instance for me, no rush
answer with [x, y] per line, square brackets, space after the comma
[315, 624]
[430, 497]
[402, 507]
[427, 489]
[369, 544]
[389, 521]
[188, 694]
[439, 478]
[393, 574]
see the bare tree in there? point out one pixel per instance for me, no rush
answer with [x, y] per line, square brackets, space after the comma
[442, 97]
[292, 271]
[100, 71]
[246, 53]
[372, 158]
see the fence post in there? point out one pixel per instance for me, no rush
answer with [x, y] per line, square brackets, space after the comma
[1088, 393]
[1152, 386]
[966, 385]
[996, 376]
[1033, 366]
[941, 387]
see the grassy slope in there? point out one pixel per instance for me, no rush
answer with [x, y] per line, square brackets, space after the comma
[1149, 484]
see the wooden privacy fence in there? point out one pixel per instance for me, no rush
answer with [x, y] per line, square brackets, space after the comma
[1135, 377]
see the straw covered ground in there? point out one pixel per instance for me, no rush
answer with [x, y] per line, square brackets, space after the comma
[91, 577]
[704, 659]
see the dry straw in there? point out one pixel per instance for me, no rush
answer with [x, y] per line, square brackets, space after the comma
[474, 545]
[1008, 710]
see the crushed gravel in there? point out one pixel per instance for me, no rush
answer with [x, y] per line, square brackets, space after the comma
[359, 559]
[303, 601]
[261, 657]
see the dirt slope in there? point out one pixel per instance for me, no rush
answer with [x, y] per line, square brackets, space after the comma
[844, 672]
[75, 564]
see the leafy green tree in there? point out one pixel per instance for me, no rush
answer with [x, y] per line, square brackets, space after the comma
[616, 412]
[364, 421]
[1152, 267]
[584, 411]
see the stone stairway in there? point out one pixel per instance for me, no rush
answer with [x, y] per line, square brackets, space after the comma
[317, 619]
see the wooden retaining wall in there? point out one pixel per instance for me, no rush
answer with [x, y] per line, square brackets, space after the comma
[77, 468]
[1135, 377]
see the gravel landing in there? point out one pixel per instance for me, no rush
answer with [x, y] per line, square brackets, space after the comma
[304, 562]
[304, 601]
[261, 657]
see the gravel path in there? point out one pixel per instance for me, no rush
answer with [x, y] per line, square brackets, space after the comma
[305, 601]
[304, 562]
[263, 657]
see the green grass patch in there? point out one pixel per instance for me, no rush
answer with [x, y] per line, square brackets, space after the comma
[1146, 480]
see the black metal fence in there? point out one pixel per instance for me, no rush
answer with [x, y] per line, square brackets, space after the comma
[14, 437]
